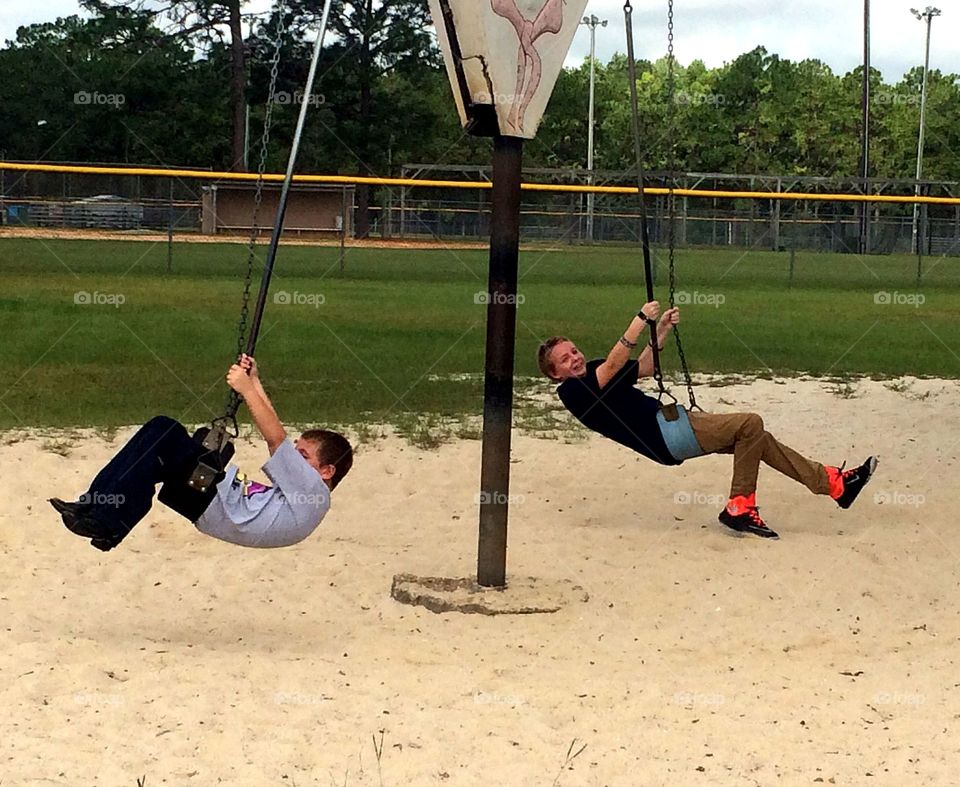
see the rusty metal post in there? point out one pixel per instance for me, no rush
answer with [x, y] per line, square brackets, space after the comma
[498, 377]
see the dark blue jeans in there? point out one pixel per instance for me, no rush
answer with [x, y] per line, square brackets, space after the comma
[122, 493]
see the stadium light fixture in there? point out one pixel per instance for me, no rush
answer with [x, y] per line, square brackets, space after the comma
[592, 22]
[927, 15]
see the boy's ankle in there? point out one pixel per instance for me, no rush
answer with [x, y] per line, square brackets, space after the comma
[740, 503]
[835, 480]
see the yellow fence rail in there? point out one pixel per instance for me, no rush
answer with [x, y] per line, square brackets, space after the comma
[352, 180]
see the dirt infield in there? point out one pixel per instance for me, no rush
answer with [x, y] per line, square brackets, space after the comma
[49, 233]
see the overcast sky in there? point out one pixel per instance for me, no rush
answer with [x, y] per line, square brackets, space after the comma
[716, 31]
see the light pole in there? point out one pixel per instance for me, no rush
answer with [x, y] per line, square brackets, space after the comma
[591, 22]
[863, 242]
[928, 14]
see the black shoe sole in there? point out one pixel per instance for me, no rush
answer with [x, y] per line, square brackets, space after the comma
[740, 530]
[761, 532]
[104, 544]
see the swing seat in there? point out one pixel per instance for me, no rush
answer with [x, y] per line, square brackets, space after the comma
[192, 490]
[678, 434]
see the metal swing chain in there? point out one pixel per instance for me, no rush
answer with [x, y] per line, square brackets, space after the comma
[277, 43]
[671, 200]
[638, 164]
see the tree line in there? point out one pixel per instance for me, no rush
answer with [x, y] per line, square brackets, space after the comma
[169, 82]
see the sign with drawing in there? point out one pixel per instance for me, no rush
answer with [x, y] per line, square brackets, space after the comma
[503, 58]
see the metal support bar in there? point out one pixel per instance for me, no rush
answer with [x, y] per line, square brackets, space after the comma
[170, 228]
[498, 376]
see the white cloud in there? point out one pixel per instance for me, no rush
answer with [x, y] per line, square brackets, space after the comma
[717, 31]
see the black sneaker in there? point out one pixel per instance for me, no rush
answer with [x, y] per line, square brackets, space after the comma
[747, 522]
[854, 480]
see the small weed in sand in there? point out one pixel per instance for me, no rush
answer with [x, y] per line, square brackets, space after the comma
[57, 446]
[898, 386]
[424, 431]
[906, 388]
[368, 433]
[568, 760]
[844, 389]
[378, 750]
[543, 419]
[468, 430]
[107, 433]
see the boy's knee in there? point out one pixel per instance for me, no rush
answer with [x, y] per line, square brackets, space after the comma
[752, 423]
[163, 422]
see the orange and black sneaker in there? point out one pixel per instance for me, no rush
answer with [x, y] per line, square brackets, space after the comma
[845, 485]
[741, 514]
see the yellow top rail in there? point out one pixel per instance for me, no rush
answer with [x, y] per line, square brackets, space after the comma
[345, 180]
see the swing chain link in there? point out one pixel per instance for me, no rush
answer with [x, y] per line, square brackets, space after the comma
[635, 116]
[277, 44]
[671, 200]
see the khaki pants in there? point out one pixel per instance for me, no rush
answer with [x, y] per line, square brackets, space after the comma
[743, 435]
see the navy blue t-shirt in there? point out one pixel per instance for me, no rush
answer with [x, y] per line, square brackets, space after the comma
[618, 411]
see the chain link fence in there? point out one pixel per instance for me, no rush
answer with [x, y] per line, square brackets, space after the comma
[814, 223]
[99, 201]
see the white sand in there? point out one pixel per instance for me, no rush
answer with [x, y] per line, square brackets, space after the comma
[698, 659]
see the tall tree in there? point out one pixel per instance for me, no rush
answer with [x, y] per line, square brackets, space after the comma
[376, 43]
[201, 23]
[110, 88]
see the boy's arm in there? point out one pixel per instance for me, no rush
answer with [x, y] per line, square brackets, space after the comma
[263, 394]
[670, 318]
[249, 364]
[259, 404]
[620, 353]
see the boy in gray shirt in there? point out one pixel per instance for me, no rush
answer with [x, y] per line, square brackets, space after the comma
[303, 473]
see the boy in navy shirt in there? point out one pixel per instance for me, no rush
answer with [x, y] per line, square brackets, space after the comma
[601, 395]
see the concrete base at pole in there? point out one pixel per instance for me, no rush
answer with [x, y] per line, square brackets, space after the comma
[520, 596]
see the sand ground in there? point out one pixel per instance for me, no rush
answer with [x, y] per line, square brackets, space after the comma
[699, 659]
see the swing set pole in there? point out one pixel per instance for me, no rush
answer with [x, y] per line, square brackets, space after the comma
[285, 190]
[499, 364]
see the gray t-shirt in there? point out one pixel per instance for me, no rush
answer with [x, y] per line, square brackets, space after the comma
[253, 515]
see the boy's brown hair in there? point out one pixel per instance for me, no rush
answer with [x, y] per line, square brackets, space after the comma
[332, 449]
[543, 354]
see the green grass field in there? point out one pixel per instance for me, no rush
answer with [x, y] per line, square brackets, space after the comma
[399, 333]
